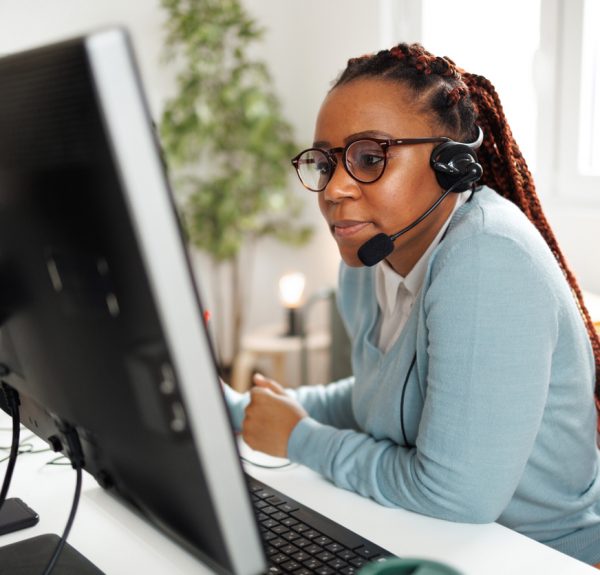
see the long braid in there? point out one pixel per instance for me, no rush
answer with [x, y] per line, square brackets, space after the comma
[459, 101]
[505, 170]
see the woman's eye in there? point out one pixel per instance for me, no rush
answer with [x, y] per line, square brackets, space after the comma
[368, 161]
[322, 167]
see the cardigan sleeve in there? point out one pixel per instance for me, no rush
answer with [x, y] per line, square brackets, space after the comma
[492, 322]
[330, 404]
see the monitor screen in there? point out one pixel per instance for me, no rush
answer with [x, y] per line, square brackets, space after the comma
[101, 325]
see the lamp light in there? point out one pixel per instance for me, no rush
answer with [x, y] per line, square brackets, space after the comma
[291, 290]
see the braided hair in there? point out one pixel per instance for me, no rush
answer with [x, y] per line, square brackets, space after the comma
[458, 102]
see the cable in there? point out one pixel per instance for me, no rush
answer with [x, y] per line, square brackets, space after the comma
[11, 398]
[24, 447]
[60, 460]
[261, 465]
[60, 545]
[412, 364]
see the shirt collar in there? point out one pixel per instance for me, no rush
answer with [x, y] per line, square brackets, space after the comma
[388, 282]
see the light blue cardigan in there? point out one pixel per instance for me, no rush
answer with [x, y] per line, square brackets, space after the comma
[498, 409]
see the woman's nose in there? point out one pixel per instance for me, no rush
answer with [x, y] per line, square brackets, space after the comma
[341, 185]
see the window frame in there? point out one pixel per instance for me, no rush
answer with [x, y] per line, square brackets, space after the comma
[558, 79]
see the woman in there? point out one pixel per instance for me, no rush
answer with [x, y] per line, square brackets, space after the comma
[474, 357]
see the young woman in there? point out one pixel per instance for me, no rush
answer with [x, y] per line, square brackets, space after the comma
[474, 357]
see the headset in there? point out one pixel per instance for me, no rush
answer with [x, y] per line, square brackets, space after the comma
[455, 163]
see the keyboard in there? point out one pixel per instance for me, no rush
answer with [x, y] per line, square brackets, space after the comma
[300, 541]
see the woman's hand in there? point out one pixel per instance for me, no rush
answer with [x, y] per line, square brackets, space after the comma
[270, 418]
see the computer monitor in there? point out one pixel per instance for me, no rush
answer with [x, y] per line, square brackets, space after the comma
[101, 322]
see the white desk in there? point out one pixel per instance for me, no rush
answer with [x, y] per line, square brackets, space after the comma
[121, 543]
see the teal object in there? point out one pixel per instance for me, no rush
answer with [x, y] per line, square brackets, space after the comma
[397, 566]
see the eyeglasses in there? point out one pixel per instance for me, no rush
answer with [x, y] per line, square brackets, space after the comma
[364, 160]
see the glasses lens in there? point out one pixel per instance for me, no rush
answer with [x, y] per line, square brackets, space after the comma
[314, 169]
[365, 160]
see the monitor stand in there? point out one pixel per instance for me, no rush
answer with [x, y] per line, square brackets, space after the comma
[30, 557]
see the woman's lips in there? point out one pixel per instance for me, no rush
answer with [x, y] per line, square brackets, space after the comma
[347, 228]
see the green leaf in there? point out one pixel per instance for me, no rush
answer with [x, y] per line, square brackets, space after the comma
[223, 132]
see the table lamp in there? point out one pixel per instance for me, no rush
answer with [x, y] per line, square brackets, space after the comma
[291, 289]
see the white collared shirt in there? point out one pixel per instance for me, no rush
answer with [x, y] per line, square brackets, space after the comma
[396, 295]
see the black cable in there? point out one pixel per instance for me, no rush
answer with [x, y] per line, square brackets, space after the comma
[279, 466]
[412, 364]
[60, 545]
[60, 460]
[11, 398]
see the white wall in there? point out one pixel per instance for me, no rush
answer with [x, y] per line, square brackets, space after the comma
[27, 23]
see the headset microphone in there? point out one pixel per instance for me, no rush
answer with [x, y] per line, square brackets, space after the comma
[456, 168]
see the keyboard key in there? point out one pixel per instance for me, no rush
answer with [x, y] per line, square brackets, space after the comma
[337, 564]
[313, 549]
[274, 500]
[358, 562]
[262, 494]
[268, 536]
[278, 541]
[278, 558]
[289, 521]
[312, 563]
[289, 549]
[349, 570]
[334, 547]
[301, 556]
[367, 551]
[301, 542]
[311, 534]
[290, 535]
[288, 507]
[324, 570]
[279, 529]
[290, 566]
[281, 516]
[269, 509]
[322, 540]
[325, 556]
[300, 527]
[270, 523]
[303, 571]
[346, 554]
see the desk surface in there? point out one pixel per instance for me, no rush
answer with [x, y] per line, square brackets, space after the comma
[120, 543]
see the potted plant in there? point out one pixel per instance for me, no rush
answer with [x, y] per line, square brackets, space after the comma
[226, 140]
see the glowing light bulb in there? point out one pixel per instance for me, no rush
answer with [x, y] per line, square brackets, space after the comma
[291, 289]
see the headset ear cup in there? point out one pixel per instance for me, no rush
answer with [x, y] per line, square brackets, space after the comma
[453, 162]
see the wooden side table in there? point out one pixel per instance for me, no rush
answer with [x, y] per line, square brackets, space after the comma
[269, 341]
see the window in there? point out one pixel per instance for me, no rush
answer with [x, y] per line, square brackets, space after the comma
[577, 164]
[589, 141]
[543, 57]
[498, 41]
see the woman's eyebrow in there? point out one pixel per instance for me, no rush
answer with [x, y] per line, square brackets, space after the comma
[357, 136]
[368, 134]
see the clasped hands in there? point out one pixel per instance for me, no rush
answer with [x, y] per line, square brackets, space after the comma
[270, 418]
